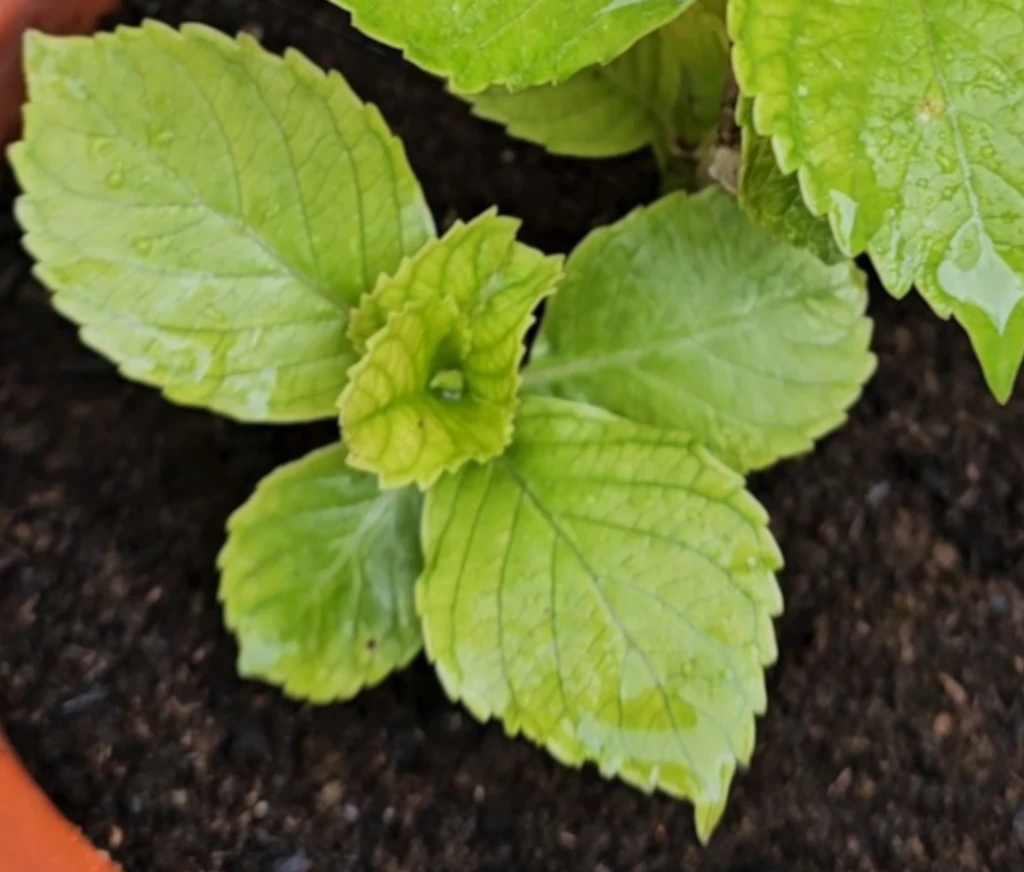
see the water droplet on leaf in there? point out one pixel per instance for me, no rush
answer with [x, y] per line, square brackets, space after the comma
[449, 385]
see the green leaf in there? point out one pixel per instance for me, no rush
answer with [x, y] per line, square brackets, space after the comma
[903, 121]
[685, 315]
[607, 589]
[208, 212]
[515, 43]
[700, 41]
[443, 342]
[475, 264]
[317, 579]
[774, 200]
[601, 112]
[667, 87]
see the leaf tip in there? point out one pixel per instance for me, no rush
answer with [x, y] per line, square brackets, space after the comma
[1001, 384]
[999, 352]
[159, 30]
[16, 155]
[41, 53]
[34, 43]
[706, 817]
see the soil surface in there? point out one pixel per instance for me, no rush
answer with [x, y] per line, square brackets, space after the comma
[895, 736]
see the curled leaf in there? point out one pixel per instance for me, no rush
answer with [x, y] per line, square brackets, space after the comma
[443, 339]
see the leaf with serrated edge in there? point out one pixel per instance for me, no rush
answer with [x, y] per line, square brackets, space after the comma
[667, 87]
[474, 262]
[317, 579]
[905, 122]
[208, 212]
[608, 590]
[774, 201]
[686, 315]
[438, 384]
[515, 43]
[404, 424]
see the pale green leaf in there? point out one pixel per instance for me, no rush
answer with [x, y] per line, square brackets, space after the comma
[474, 264]
[666, 88]
[774, 200]
[317, 579]
[438, 384]
[601, 112]
[408, 412]
[607, 589]
[906, 123]
[515, 43]
[208, 212]
[686, 315]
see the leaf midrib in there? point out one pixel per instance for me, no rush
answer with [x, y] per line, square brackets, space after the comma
[605, 607]
[542, 372]
[953, 113]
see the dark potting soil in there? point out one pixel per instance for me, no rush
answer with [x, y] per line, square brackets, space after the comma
[895, 736]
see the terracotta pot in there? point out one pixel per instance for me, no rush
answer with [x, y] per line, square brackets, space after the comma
[34, 837]
[52, 16]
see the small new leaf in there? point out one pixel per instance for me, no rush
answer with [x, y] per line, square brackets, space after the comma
[208, 212]
[474, 263]
[317, 579]
[607, 589]
[514, 43]
[903, 119]
[686, 315]
[667, 88]
[443, 341]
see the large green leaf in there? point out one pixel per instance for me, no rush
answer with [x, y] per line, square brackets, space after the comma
[666, 88]
[443, 342]
[515, 43]
[208, 212]
[905, 122]
[686, 315]
[317, 579]
[607, 589]
[774, 200]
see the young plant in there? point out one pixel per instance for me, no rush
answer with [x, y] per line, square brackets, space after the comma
[899, 124]
[583, 561]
